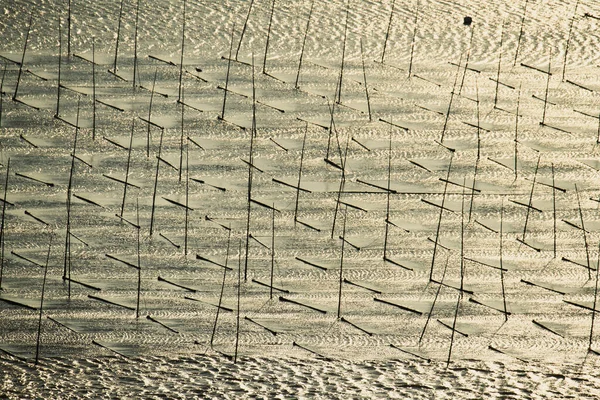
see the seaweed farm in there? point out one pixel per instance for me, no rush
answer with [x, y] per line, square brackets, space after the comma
[299, 199]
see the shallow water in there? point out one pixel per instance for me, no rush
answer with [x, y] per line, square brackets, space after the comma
[396, 333]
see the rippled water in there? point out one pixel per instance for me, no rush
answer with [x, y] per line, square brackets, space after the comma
[389, 333]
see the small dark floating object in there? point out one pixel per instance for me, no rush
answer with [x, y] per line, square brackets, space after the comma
[467, 21]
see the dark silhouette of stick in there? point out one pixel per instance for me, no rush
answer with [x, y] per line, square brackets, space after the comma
[58, 86]
[181, 138]
[93, 88]
[529, 205]
[69, 20]
[520, 33]
[451, 99]
[340, 188]
[237, 317]
[187, 197]
[437, 233]
[466, 61]
[362, 58]
[304, 44]
[437, 293]
[478, 153]
[23, 56]
[180, 98]
[412, 43]
[458, 299]
[250, 175]
[222, 117]
[387, 33]
[139, 263]
[339, 91]
[244, 29]
[212, 336]
[148, 137]
[553, 209]
[516, 134]
[569, 41]
[501, 255]
[387, 208]
[3, 224]
[594, 304]
[341, 280]
[268, 37]
[300, 174]
[39, 331]
[135, 44]
[499, 65]
[547, 87]
[118, 37]
[128, 165]
[587, 252]
[162, 131]
[67, 257]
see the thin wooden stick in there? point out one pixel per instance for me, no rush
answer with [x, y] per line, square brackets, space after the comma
[39, 331]
[162, 132]
[501, 256]
[148, 133]
[473, 190]
[595, 302]
[250, 174]
[466, 61]
[569, 41]
[304, 44]
[93, 88]
[547, 88]
[300, 174]
[268, 37]
[59, 69]
[180, 98]
[529, 204]
[587, 252]
[3, 224]
[67, 257]
[554, 208]
[272, 250]
[362, 57]
[227, 76]
[23, 55]
[451, 99]
[244, 30]
[516, 134]
[135, 44]
[341, 187]
[187, 197]
[341, 280]
[437, 293]
[239, 286]
[387, 33]
[499, 65]
[2, 93]
[128, 165]
[139, 262]
[412, 43]
[118, 36]
[520, 33]
[462, 275]
[339, 92]
[387, 209]
[181, 138]
[437, 233]
[212, 336]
